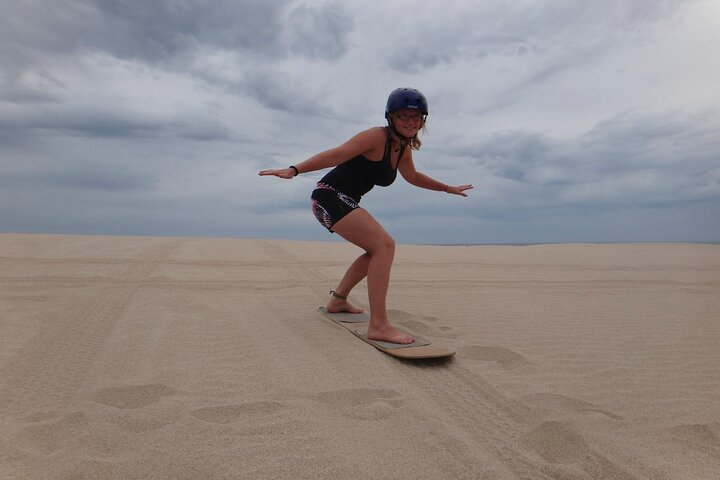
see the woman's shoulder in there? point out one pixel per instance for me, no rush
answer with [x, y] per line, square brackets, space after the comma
[375, 133]
[370, 138]
[369, 143]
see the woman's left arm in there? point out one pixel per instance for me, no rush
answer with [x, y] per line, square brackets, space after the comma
[419, 179]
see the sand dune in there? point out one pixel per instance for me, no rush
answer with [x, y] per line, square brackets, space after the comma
[186, 358]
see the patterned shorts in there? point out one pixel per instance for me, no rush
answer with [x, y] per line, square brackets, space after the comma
[330, 205]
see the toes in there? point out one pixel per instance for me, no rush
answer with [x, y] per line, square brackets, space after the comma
[392, 339]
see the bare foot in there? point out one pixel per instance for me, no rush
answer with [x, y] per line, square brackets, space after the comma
[336, 305]
[388, 333]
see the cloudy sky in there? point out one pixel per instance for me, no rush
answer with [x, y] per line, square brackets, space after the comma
[576, 120]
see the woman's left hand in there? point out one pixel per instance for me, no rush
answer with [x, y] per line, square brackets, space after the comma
[459, 190]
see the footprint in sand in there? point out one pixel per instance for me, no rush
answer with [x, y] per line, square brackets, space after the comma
[42, 416]
[562, 404]
[557, 442]
[506, 359]
[133, 396]
[50, 436]
[229, 413]
[419, 325]
[362, 403]
[697, 435]
[443, 329]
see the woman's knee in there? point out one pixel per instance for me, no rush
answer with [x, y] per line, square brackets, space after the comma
[384, 244]
[360, 228]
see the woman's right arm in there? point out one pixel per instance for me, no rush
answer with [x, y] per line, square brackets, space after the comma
[364, 143]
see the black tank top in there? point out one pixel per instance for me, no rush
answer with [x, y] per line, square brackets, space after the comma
[359, 175]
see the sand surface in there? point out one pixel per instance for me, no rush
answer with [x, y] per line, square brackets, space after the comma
[184, 358]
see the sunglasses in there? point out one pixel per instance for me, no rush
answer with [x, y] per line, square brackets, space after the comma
[404, 117]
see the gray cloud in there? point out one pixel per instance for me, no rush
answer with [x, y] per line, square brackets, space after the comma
[150, 31]
[163, 29]
[62, 26]
[105, 123]
[639, 159]
[278, 90]
[170, 35]
[562, 33]
[317, 33]
[74, 175]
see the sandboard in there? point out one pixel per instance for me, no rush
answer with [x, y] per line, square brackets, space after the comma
[357, 323]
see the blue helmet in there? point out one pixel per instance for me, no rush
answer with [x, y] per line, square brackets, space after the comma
[406, 98]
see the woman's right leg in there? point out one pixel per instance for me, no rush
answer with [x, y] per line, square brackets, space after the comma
[357, 271]
[360, 228]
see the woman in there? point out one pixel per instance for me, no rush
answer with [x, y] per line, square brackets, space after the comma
[372, 157]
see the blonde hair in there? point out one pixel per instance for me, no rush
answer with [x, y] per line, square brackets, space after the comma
[413, 142]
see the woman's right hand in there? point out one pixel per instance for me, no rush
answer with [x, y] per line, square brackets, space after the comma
[286, 173]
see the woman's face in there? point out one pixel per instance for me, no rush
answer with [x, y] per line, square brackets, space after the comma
[407, 122]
